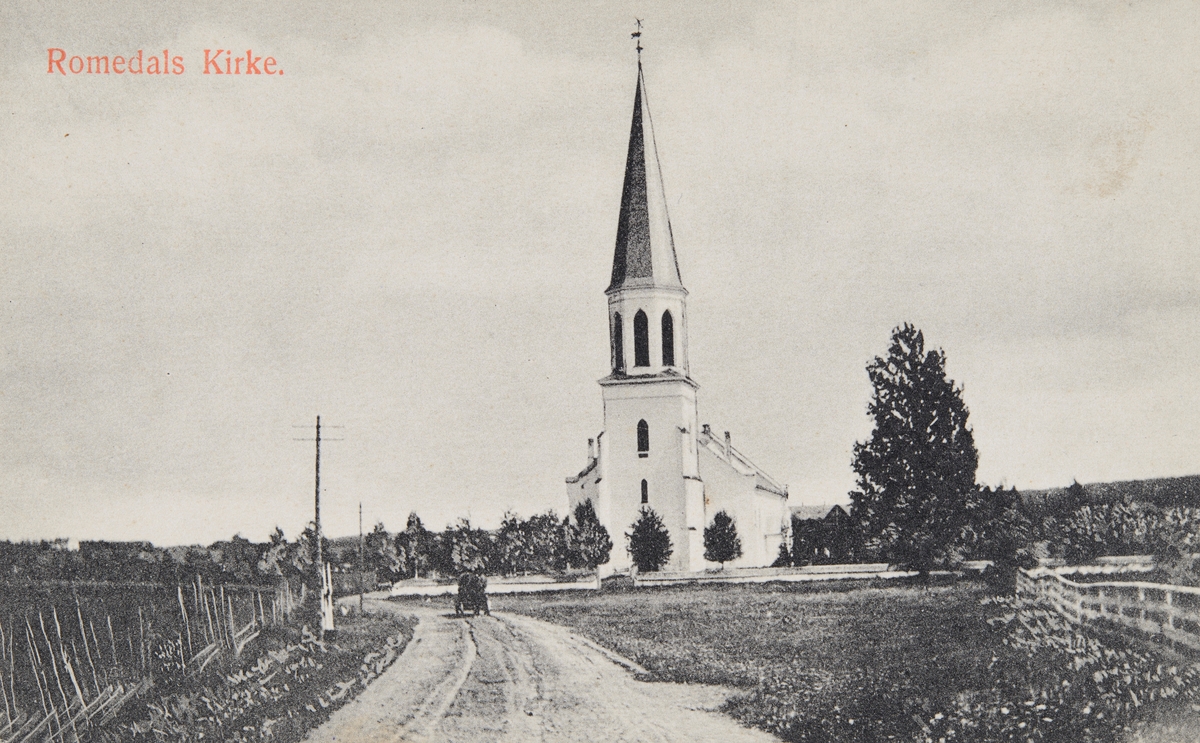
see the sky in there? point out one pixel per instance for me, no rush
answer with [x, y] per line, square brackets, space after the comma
[410, 230]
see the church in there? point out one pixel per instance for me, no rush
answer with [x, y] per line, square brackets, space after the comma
[653, 452]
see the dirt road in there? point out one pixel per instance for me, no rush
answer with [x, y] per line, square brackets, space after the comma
[513, 678]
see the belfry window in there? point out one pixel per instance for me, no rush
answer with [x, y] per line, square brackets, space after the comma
[641, 340]
[645, 492]
[668, 339]
[618, 344]
[643, 436]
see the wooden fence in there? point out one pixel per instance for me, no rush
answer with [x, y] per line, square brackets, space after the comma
[860, 571]
[70, 723]
[1171, 612]
[805, 574]
[68, 662]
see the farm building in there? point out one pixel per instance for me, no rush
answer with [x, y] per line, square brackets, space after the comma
[653, 452]
[823, 540]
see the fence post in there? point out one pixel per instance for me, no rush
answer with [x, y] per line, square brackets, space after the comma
[1170, 612]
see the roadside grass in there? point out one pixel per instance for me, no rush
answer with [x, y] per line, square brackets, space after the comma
[889, 661]
[827, 663]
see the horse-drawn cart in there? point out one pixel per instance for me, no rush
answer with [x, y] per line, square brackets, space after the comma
[472, 595]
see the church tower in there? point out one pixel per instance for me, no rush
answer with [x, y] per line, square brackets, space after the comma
[652, 452]
[649, 442]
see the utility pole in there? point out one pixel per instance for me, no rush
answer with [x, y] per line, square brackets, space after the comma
[361, 565]
[317, 492]
[323, 577]
[317, 504]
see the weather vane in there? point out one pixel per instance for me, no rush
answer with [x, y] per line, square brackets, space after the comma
[638, 35]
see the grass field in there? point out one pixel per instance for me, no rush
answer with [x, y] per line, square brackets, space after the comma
[915, 662]
[830, 663]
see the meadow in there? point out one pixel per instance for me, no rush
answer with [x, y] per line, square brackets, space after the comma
[915, 662]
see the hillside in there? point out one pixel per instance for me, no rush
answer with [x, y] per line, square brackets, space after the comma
[1160, 491]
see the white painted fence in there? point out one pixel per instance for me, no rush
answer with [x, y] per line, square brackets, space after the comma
[497, 585]
[808, 573]
[863, 571]
[1172, 612]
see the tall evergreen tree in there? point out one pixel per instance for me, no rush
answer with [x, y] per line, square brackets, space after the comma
[916, 474]
[649, 543]
[721, 540]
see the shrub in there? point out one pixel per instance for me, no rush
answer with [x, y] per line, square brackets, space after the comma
[784, 558]
[1095, 530]
[649, 544]
[589, 545]
[721, 541]
[1060, 682]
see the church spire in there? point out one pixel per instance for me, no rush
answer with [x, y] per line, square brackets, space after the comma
[645, 252]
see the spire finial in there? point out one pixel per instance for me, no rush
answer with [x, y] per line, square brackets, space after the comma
[638, 35]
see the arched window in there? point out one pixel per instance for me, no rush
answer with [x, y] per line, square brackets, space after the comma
[641, 340]
[618, 344]
[645, 492]
[643, 439]
[668, 339]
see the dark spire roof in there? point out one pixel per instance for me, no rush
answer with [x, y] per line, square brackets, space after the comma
[645, 253]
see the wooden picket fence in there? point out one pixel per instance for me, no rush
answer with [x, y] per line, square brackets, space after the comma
[60, 677]
[1156, 609]
[71, 723]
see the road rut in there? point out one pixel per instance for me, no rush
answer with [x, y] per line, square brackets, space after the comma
[508, 678]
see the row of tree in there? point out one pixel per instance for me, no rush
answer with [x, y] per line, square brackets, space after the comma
[916, 503]
[539, 544]
[237, 560]
[1078, 528]
[543, 543]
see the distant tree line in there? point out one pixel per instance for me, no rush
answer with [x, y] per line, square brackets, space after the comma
[1163, 492]
[1079, 527]
[237, 560]
[543, 543]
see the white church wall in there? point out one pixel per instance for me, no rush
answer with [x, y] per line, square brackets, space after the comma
[758, 514]
[666, 406]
